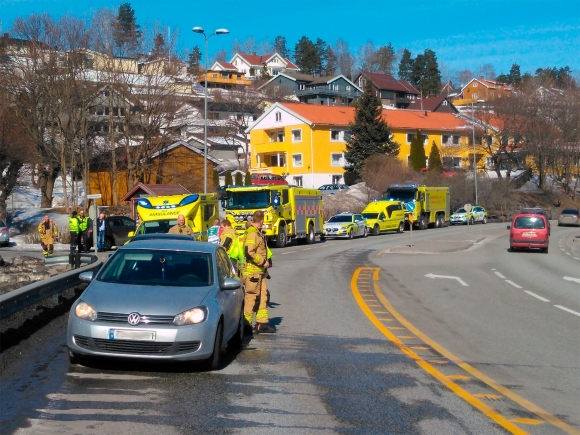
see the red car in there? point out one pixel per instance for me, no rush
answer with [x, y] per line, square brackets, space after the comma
[529, 231]
[266, 179]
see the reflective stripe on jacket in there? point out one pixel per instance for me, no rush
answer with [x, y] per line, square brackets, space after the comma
[254, 252]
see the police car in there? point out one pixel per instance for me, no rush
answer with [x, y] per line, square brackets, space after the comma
[347, 225]
[477, 214]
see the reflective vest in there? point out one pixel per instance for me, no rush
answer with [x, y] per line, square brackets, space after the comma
[229, 241]
[83, 223]
[73, 224]
[255, 252]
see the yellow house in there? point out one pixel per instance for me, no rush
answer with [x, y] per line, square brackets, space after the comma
[306, 142]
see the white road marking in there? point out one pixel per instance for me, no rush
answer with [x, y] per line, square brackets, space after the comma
[306, 249]
[567, 309]
[513, 283]
[562, 250]
[536, 296]
[289, 252]
[500, 275]
[463, 283]
[569, 278]
[567, 253]
[576, 258]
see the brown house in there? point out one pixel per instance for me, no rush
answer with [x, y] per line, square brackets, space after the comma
[179, 163]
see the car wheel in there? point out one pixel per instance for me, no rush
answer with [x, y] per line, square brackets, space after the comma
[311, 237]
[376, 230]
[471, 221]
[322, 237]
[108, 244]
[401, 228]
[366, 232]
[513, 249]
[237, 340]
[215, 360]
[545, 250]
[351, 234]
[484, 221]
[281, 237]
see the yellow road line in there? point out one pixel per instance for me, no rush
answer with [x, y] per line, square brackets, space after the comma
[541, 413]
[487, 410]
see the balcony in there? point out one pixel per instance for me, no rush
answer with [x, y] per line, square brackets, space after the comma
[328, 92]
[217, 80]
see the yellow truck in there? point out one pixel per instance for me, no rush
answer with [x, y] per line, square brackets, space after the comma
[426, 206]
[289, 212]
[157, 214]
[382, 216]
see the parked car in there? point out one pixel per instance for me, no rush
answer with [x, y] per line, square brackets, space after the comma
[477, 214]
[4, 234]
[263, 178]
[327, 189]
[540, 211]
[117, 229]
[347, 224]
[569, 216]
[164, 300]
[529, 231]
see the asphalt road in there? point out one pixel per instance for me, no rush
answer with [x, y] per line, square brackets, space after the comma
[366, 344]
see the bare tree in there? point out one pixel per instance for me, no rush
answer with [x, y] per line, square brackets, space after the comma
[345, 59]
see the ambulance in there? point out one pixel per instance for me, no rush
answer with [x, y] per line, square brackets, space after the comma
[157, 214]
[290, 212]
[383, 216]
[427, 206]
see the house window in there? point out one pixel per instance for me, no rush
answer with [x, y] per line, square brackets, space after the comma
[297, 160]
[336, 159]
[280, 136]
[297, 135]
[336, 179]
[277, 161]
[336, 135]
[278, 116]
[475, 96]
[449, 139]
[444, 103]
[410, 137]
[301, 87]
[297, 181]
[348, 88]
[475, 84]
[277, 136]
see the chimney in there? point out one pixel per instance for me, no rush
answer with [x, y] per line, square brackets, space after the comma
[425, 113]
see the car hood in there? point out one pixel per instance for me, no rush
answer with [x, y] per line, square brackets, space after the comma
[153, 300]
[335, 224]
[459, 215]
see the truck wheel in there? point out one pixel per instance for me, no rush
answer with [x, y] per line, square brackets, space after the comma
[422, 225]
[311, 237]
[281, 237]
[376, 230]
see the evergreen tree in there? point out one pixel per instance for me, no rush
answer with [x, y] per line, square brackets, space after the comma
[369, 134]
[228, 180]
[280, 46]
[126, 30]
[406, 66]
[216, 179]
[265, 72]
[431, 76]
[194, 60]
[417, 154]
[248, 179]
[515, 76]
[159, 48]
[418, 73]
[385, 58]
[305, 56]
[321, 48]
[435, 163]
[239, 179]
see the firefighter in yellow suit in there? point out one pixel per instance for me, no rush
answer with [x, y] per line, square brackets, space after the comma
[48, 234]
[254, 273]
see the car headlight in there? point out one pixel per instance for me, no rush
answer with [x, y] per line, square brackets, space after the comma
[191, 317]
[85, 311]
[266, 226]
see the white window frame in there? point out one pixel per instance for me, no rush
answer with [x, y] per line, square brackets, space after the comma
[425, 137]
[340, 135]
[474, 96]
[337, 179]
[294, 162]
[475, 84]
[278, 116]
[340, 159]
[298, 181]
[299, 139]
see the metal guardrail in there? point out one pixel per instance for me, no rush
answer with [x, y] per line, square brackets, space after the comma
[30, 294]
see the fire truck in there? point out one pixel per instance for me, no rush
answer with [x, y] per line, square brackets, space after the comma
[157, 214]
[289, 212]
[431, 205]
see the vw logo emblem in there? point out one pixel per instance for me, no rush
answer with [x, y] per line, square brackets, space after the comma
[134, 319]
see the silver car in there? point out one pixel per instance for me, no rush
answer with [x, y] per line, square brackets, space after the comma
[167, 300]
[569, 216]
[347, 224]
[4, 234]
[331, 189]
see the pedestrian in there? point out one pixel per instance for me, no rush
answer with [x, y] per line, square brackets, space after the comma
[48, 235]
[213, 232]
[228, 239]
[73, 225]
[101, 227]
[255, 273]
[181, 227]
[83, 231]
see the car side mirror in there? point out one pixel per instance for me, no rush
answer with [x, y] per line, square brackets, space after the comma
[231, 284]
[86, 276]
[131, 233]
[508, 227]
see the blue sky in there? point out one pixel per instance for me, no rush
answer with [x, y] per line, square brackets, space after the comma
[464, 34]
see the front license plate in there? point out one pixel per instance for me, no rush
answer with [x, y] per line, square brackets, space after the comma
[128, 334]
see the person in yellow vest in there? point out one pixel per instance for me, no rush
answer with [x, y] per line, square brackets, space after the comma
[228, 238]
[48, 235]
[254, 273]
[181, 227]
[73, 225]
[83, 231]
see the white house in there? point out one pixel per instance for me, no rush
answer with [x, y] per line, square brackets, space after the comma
[252, 65]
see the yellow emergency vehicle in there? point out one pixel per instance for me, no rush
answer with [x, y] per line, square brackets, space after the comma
[157, 214]
[383, 216]
[426, 206]
[289, 212]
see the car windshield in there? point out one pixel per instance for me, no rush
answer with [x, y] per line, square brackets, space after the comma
[340, 219]
[567, 211]
[248, 200]
[460, 210]
[370, 215]
[158, 268]
[154, 227]
[529, 222]
[405, 195]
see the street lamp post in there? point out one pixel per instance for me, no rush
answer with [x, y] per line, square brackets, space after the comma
[474, 161]
[217, 32]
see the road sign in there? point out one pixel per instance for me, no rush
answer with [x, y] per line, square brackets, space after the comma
[467, 207]
[95, 196]
[410, 207]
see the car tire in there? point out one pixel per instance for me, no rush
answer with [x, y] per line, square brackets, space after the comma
[311, 237]
[513, 249]
[215, 360]
[351, 234]
[376, 230]
[366, 232]
[471, 221]
[544, 250]
[108, 243]
[322, 237]
[281, 237]
[401, 228]
[238, 339]
[484, 221]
